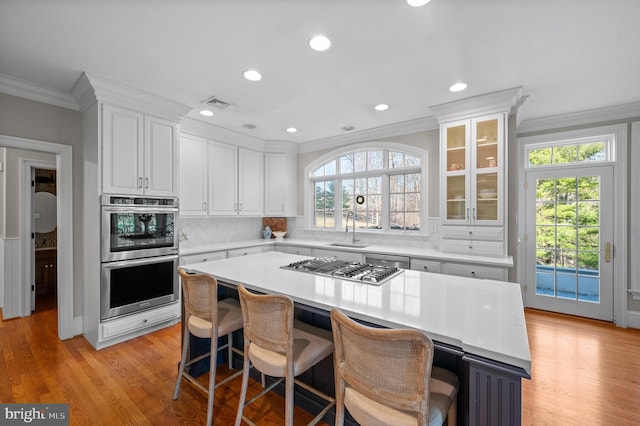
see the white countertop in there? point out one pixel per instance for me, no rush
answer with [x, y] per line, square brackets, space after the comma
[481, 317]
[416, 252]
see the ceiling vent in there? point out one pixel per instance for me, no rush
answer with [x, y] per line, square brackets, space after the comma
[217, 103]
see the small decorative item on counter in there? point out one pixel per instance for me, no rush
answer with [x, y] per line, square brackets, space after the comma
[267, 232]
[279, 235]
[456, 166]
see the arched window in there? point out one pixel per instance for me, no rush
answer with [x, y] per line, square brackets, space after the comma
[384, 187]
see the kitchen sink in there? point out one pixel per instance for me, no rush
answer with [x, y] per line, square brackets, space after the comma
[349, 245]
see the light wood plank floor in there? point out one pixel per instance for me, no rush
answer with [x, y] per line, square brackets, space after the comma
[584, 373]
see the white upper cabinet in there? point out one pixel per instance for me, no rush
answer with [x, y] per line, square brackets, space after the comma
[280, 184]
[250, 182]
[472, 165]
[193, 176]
[473, 172]
[139, 153]
[222, 180]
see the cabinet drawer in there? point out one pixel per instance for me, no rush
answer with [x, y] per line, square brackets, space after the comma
[139, 321]
[474, 271]
[477, 248]
[244, 251]
[425, 265]
[202, 257]
[303, 251]
[473, 232]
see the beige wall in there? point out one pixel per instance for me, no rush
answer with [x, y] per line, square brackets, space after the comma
[428, 140]
[28, 119]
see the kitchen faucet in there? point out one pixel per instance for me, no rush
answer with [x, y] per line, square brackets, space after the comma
[353, 219]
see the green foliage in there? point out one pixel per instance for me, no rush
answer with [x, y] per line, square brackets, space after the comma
[568, 221]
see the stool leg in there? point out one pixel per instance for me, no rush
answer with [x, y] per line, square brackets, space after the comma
[183, 361]
[245, 383]
[213, 362]
[288, 404]
[230, 349]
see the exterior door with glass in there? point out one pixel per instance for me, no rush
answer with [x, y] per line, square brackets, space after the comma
[569, 240]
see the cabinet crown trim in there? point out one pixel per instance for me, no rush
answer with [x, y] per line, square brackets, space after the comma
[502, 101]
[90, 88]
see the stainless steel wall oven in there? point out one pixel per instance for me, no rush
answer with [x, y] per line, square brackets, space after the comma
[139, 254]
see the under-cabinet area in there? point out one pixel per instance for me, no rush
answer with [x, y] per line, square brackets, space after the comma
[424, 260]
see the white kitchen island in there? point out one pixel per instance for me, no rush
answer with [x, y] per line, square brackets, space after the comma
[478, 326]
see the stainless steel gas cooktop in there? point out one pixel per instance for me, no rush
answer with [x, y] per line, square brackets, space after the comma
[345, 270]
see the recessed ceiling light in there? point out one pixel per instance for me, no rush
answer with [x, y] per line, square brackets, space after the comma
[292, 130]
[458, 87]
[348, 128]
[320, 43]
[249, 126]
[417, 3]
[252, 75]
[381, 107]
[206, 113]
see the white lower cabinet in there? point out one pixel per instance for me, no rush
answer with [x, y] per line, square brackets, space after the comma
[303, 251]
[244, 251]
[473, 240]
[202, 257]
[475, 271]
[425, 265]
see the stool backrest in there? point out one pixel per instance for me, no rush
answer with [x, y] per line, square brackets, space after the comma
[390, 366]
[200, 294]
[268, 320]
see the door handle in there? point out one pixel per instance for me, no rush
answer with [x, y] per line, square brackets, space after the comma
[607, 252]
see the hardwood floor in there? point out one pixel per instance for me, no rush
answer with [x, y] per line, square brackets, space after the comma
[584, 373]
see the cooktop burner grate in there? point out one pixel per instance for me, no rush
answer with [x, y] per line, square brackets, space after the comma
[345, 270]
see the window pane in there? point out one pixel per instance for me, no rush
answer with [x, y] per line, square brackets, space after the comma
[330, 168]
[538, 157]
[375, 160]
[346, 163]
[591, 151]
[565, 154]
[374, 185]
[360, 162]
[323, 202]
[412, 161]
[396, 160]
[396, 183]
[412, 182]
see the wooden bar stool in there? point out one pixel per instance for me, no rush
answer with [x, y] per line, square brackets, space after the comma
[383, 376]
[278, 346]
[207, 318]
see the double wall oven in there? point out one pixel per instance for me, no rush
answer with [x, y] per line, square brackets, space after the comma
[139, 254]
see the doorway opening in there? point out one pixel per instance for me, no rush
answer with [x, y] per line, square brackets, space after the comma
[45, 238]
[18, 251]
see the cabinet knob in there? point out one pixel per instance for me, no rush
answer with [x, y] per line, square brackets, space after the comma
[473, 274]
[470, 232]
[426, 267]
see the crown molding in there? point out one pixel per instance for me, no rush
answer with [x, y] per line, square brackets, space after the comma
[35, 92]
[391, 130]
[507, 100]
[581, 118]
[90, 88]
[210, 131]
[276, 146]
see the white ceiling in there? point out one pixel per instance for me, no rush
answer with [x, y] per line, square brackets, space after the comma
[568, 55]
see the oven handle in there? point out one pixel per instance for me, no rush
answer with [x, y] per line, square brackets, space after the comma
[138, 262]
[139, 209]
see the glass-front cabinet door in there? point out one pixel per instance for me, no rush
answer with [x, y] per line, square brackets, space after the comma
[474, 170]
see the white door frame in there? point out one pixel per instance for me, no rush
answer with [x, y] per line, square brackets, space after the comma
[64, 165]
[26, 207]
[620, 228]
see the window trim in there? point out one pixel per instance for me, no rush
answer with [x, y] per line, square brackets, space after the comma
[367, 146]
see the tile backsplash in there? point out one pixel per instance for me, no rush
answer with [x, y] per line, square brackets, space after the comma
[195, 232]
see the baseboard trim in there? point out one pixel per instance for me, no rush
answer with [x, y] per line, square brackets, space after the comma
[77, 326]
[633, 319]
